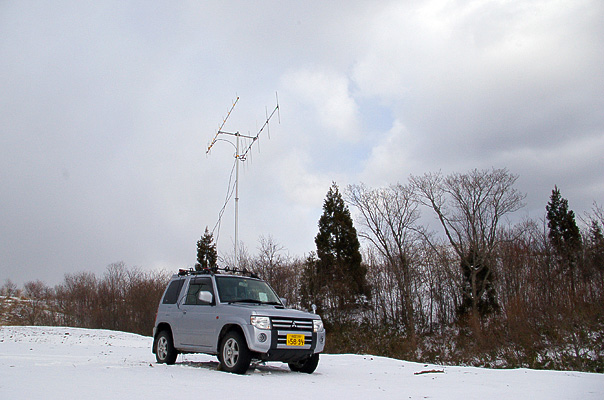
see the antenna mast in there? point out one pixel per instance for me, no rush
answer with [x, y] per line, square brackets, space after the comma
[240, 158]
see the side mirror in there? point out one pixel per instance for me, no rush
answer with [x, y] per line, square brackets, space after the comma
[205, 297]
[283, 301]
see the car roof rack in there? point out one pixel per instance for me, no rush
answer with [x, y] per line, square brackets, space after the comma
[216, 270]
[191, 271]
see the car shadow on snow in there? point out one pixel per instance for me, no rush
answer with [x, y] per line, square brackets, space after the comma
[211, 365]
[254, 367]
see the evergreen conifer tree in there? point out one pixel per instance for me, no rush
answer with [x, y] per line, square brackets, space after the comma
[564, 235]
[206, 251]
[338, 267]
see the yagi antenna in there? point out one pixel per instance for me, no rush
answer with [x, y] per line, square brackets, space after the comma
[240, 157]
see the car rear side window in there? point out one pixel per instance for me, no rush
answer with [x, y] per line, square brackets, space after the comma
[171, 296]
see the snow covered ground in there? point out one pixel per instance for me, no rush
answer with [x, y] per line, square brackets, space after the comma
[70, 363]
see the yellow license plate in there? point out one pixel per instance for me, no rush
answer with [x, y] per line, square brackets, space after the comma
[295, 339]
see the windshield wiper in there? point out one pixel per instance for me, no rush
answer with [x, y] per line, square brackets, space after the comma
[245, 301]
[254, 301]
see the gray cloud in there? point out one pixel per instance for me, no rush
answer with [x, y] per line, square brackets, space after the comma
[107, 109]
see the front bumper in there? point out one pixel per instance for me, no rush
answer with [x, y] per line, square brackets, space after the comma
[271, 343]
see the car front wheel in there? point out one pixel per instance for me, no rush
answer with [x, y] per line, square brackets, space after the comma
[234, 354]
[307, 365]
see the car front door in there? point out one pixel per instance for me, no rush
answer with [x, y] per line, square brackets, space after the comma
[198, 318]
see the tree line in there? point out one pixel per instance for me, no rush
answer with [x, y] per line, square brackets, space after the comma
[476, 289]
[123, 299]
[473, 288]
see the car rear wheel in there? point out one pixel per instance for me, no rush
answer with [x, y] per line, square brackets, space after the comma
[164, 349]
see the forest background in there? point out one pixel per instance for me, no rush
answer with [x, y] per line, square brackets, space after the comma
[479, 290]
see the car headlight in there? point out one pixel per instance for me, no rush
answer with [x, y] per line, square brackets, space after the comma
[260, 322]
[317, 325]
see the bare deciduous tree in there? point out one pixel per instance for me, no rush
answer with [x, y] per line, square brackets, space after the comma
[278, 269]
[470, 207]
[9, 289]
[389, 217]
[36, 293]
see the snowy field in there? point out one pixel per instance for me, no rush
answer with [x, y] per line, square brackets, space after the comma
[70, 363]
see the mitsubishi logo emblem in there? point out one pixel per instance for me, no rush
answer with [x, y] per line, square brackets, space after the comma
[293, 324]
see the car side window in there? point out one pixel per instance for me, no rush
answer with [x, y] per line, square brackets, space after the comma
[171, 296]
[195, 286]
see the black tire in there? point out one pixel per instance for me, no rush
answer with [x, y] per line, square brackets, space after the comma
[308, 365]
[234, 354]
[164, 348]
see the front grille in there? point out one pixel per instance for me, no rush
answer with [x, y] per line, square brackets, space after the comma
[284, 326]
[292, 324]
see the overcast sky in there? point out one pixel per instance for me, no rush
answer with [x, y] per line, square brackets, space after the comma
[107, 109]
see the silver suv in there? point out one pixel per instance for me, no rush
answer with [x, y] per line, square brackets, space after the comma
[237, 318]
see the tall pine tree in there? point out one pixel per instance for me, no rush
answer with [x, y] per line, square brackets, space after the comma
[564, 234]
[338, 267]
[206, 251]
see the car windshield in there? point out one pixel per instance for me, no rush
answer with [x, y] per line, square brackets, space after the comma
[233, 289]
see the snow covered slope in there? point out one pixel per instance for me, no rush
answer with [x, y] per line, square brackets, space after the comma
[70, 363]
